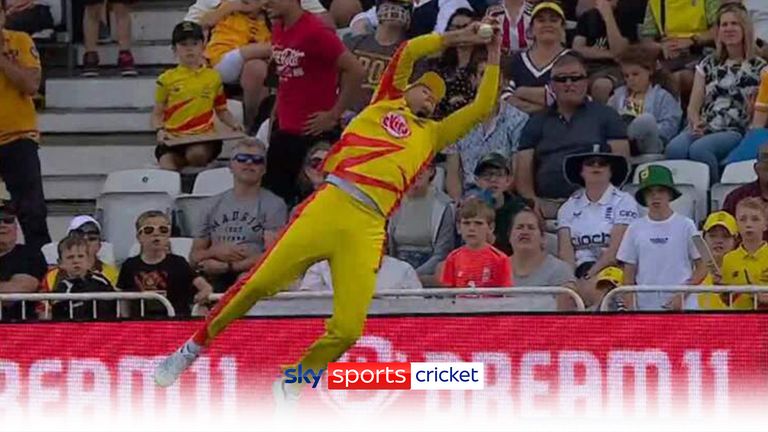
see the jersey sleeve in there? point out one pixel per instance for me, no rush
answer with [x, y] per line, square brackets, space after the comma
[329, 46]
[562, 219]
[626, 211]
[504, 273]
[627, 251]
[220, 101]
[462, 121]
[448, 278]
[125, 279]
[161, 89]
[395, 78]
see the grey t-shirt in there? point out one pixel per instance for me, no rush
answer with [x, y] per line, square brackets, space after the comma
[228, 220]
[374, 57]
[552, 138]
[553, 272]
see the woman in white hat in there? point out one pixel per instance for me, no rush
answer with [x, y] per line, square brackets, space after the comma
[592, 222]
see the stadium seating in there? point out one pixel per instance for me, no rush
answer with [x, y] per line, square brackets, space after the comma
[143, 180]
[739, 173]
[213, 181]
[187, 209]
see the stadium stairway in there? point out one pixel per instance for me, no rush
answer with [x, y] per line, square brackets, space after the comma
[94, 126]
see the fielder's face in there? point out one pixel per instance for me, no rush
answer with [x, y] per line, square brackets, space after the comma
[421, 101]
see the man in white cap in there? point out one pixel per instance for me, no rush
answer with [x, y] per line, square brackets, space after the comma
[90, 229]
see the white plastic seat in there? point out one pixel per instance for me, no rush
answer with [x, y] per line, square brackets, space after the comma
[685, 172]
[180, 246]
[143, 180]
[685, 205]
[187, 210]
[213, 181]
[739, 172]
[645, 158]
[719, 193]
[118, 212]
[106, 253]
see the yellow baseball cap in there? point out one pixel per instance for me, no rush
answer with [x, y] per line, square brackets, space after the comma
[433, 82]
[611, 274]
[723, 219]
[554, 7]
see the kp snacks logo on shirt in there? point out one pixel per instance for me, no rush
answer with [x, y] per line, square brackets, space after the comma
[396, 125]
[393, 376]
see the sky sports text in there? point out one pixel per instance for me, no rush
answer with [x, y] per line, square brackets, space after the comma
[393, 376]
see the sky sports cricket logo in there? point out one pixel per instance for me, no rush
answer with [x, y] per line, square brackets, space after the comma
[393, 376]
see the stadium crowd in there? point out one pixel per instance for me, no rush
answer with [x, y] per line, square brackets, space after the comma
[533, 196]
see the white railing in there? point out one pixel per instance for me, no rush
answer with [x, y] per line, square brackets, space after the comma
[461, 293]
[92, 297]
[682, 290]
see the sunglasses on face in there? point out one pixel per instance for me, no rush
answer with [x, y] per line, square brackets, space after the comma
[246, 158]
[150, 229]
[569, 78]
[8, 219]
[596, 161]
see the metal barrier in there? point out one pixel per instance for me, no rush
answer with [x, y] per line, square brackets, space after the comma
[416, 302]
[682, 290]
[93, 297]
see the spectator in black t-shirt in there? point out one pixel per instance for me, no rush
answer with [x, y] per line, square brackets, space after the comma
[600, 40]
[156, 269]
[21, 267]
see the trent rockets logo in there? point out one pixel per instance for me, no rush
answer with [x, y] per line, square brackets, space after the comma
[396, 125]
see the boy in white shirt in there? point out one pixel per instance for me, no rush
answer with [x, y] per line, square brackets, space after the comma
[658, 249]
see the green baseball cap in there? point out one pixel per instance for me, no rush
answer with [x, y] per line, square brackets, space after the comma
[655, 175]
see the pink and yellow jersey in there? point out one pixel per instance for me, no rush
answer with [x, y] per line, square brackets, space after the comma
[383, 149]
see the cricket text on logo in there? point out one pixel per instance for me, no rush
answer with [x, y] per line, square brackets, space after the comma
[406, 376]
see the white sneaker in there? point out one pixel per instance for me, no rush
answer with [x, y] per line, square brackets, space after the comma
[286, 399]
[169, 370]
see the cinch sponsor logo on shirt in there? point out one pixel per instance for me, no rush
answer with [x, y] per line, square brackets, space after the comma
[394, 376]
[659, 240]
[591, 239]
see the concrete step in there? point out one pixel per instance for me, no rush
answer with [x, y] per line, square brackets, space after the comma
[152, 24]
[95, 121]
[144, 53]
[102, 92]
[74, 167]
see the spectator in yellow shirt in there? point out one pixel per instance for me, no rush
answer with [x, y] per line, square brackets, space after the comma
[186, 101]
[19, 137]
[721, 235]
[239, 48]
[748, 264]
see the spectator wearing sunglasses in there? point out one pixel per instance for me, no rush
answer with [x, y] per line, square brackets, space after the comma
[574, 125]
[239, 224]
[21, 267]
[312, 176]
[156, 269]
[90, 230]
[593, 221]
